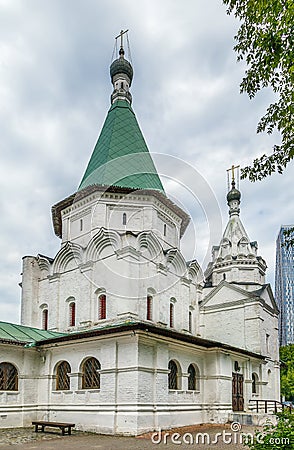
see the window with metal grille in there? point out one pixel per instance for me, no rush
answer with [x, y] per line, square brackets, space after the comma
[45, 319]
[171, 315]
[72, 314]
[124, 219]
[62, 377]
[102, 306]
[90, 373]
[8, 377]
[149, 307]
[173, 375]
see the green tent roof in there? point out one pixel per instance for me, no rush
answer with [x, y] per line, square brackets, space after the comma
[20, 333]
[121, 156]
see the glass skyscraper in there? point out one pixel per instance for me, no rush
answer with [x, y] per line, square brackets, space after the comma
[284, 288]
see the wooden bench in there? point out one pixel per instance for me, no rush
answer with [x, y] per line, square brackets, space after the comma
[62, 426]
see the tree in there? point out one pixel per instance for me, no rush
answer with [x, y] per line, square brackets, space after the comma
[287, 371]
[279, 436]
[265, 40]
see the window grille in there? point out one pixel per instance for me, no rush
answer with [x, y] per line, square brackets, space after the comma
[91, 376]
[149, 307]
[72, 314]
[45, 319]
[173, 375]
[102, 306]
[62, 378]
[171, 315]
[191, 378]
[8, 377]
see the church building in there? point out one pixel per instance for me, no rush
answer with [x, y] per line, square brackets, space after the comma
[119, 333]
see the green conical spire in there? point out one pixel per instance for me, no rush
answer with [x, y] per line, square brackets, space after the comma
[121, 156]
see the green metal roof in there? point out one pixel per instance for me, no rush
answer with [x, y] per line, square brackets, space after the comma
[20, 333]
[121, 156]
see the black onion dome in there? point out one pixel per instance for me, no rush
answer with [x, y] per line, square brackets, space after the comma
[234, 194]
[121, 65]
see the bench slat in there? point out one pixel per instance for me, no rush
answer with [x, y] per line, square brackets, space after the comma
[53, 424]
[61, 425]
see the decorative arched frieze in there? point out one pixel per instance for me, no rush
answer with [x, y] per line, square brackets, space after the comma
[149, 245]
[176, 262]
[225, 249]
[44, 264]
[68, 253]
[195, 273]
[101, 240]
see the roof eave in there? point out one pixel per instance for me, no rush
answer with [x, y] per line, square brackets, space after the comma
[68, 201]
[153, 329]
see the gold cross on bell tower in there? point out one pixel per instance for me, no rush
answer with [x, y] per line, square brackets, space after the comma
[121, 34]
[234, 173]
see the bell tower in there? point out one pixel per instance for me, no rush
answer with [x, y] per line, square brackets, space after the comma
[235, 259]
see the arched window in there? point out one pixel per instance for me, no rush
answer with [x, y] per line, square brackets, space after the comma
[45, 319]
[254, 383]
[62, 378]
[171, 314]
[90, 374]
[102, 306]
[173, 375]
[124, 219]
[8, 377]
[72, 314]
[193, 379]
[164, 229]
[149, 307]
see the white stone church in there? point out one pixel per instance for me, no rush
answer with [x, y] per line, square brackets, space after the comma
[119, 334]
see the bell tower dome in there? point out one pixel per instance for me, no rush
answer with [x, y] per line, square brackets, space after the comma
[121, 73]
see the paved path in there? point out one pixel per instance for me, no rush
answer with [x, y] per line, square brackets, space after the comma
[86, 441]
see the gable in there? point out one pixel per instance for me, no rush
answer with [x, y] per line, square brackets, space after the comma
[225, 293]
[267, 296]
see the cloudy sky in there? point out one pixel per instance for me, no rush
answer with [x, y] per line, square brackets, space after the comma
[54, 96]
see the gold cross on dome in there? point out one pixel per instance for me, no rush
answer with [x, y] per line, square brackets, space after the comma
[121, 37]
[233, 171]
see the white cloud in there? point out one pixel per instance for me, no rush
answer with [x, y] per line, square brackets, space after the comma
[54, 95]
